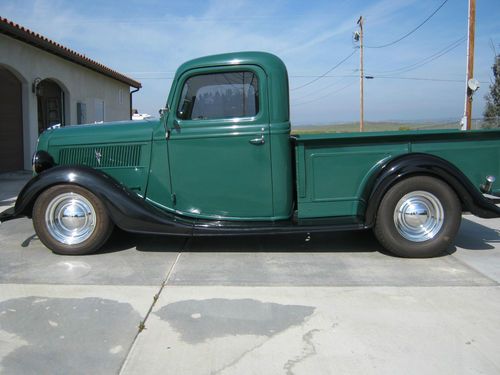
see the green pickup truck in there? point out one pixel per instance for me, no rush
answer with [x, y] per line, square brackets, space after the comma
[221, 161]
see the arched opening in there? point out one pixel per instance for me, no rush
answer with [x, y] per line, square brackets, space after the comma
[50, 103]
[11, 122]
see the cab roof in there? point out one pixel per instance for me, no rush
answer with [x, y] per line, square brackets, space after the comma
[265, 60]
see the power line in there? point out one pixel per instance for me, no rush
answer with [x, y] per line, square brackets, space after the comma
[141, 78]
[317, 75]
[355, 76]
[382, 77]
[324, 74]
[322, 89]
[420, 79]
[427, 59]
[411, 31]
[151, 72]
[326, 95]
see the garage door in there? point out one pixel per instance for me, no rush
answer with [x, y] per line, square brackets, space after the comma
[11, 122]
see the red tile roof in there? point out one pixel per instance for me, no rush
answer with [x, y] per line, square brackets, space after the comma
[19, 32]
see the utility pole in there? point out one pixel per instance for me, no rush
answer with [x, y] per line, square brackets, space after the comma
[361, 75]
[469, 91]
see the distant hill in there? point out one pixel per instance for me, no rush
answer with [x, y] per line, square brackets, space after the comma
[372, 126]
[377, 126]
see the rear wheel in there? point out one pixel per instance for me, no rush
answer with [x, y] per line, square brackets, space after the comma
[70, 220]
[418, 218]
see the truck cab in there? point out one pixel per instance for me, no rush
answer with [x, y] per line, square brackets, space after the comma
[224, 143]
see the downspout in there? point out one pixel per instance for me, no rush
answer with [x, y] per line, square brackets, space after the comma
[131, 92]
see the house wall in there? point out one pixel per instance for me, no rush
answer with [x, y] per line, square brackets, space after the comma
[79, 84]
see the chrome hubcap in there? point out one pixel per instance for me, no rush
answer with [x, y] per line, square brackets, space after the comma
[419, 216]
[70, 218]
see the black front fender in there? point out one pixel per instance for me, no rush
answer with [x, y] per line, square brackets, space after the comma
[128, 211]
[408, 165]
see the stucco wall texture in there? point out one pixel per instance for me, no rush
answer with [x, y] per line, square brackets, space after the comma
[79, 84]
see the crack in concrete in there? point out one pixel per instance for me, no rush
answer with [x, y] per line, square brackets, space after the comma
[142, 323]
[308, 350]
[239, 358]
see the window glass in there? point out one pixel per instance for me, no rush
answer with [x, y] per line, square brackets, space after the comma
[219, 95]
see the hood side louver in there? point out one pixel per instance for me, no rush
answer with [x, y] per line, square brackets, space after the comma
[102, 156]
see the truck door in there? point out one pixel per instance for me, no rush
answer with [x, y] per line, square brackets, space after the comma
[219, 149]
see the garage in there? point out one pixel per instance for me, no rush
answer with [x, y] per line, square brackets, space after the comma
[11, 122]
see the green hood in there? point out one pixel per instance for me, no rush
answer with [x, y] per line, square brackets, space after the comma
[120, 149]
[106, 133]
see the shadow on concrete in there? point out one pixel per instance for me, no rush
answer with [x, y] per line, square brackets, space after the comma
[474, 236]
[121, 240]
[335, 242]
[28, 240]
[358, 241]
[354, 241]
[7, 202]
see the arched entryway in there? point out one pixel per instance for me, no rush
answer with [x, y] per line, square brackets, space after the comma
[50, 103]
[11, 122]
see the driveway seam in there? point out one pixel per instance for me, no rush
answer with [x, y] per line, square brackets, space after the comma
[474, 269]
[142, 324]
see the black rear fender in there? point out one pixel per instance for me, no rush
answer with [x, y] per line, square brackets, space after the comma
[414, 164]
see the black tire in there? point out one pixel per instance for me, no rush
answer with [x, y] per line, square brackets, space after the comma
[389, 234]
[95, 233]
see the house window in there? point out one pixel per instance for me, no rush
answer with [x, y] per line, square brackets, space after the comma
[81, 113]
[98, 110]
[120, 96]
[219, 96]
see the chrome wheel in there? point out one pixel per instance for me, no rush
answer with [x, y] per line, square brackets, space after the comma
[70, 218]
[419, 216]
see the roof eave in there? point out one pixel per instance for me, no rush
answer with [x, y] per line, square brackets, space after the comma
[20, 33]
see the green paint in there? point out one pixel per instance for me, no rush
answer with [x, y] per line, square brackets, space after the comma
[208, 168]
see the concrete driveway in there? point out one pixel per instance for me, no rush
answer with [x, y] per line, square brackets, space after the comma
[269, 305]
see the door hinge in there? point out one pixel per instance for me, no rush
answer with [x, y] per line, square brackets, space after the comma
[174, 199]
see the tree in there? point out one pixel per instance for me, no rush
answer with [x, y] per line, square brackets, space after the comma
[492, 110]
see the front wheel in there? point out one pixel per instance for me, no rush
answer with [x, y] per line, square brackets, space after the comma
[418, 218]
[70, 220]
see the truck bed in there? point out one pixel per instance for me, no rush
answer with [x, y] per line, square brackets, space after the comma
[333, 170]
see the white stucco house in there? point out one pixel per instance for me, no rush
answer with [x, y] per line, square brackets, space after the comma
[43, 83]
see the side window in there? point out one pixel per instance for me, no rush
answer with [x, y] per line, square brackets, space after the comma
[219, 96]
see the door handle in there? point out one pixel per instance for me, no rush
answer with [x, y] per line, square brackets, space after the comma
[258, 141]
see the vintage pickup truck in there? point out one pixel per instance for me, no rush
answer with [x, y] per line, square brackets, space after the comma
[221, 161]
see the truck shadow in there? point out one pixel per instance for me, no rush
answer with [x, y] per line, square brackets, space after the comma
[121, 241]
[359, 241]
[474, 236]
[355, 242]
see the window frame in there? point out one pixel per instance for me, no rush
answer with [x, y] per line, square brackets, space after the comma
[262, 99]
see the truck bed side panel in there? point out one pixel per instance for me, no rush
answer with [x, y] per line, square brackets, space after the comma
[334, 171]
[332, 178]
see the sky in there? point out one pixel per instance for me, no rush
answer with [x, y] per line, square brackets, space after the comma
[422, 77]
